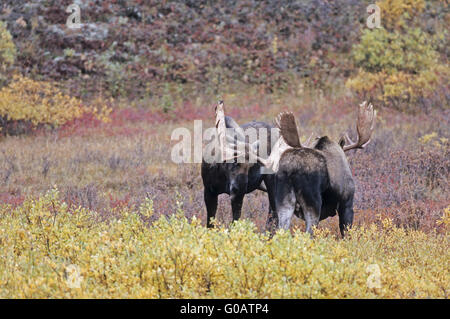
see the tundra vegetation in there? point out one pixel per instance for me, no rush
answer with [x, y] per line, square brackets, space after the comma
[92, 206]
[180, 258]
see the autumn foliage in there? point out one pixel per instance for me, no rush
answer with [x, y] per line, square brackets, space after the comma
[25, 101]
[399, 63]
[50, 250]
[95, 109]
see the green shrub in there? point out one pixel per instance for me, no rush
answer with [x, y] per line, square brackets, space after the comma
[7, 47]
[399, 66]
[7, 51]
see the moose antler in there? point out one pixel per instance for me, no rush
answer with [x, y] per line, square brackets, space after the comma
[310, 141]
[273, 161]
[221, 129]
[364, 125]
[285, 122]
[227, 151]
[228, 146]
[288, 139]
[287, 125]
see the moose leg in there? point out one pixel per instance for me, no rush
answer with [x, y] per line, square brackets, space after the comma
[310, 203]
[272, 221]
[285, 203]
[345, 211]
[211, 206]
[285, 209]
[272, 217]
[310, 200]
[312, 217]
[236, 205]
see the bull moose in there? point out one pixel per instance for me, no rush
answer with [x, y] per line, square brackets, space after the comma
[233, 177]
[318, 178]
[314, 180]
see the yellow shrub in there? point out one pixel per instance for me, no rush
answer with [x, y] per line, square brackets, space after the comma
[395, 13]
[42, 102]
[101, 109]
[49, 251]
[445, 219]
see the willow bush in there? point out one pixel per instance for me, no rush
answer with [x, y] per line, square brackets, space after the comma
[50, 250]
[26, 101]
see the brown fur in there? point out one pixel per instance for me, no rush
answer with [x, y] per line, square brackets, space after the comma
[235, 179]
[314, 183]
